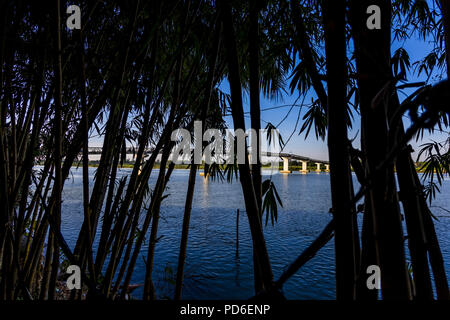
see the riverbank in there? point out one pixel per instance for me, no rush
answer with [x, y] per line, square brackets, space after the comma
[419, 168]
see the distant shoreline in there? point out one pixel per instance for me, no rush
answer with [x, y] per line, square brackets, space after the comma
[201, 167]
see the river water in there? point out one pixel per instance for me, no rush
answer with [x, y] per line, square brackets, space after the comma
[215, 269]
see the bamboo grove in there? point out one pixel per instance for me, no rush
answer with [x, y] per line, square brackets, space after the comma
[137, 70]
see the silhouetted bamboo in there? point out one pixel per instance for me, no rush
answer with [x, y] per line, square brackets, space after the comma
[369, 255]
[58, 155]
[340, 177]
[194, 166]
[116, 121]
[255, 115]
[244, 169]
[410, 197]
[445, 7]
[85, 156]
[135, 72]
[373, 59]
[154, 213]
[302, 42]
[434, 250]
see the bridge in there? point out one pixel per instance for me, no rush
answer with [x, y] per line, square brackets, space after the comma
[129, 150]
[95, 152]
[304, 160]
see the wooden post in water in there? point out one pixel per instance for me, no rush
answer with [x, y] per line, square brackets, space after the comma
[237, 233]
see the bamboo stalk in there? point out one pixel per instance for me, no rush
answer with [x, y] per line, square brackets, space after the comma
[244, 169]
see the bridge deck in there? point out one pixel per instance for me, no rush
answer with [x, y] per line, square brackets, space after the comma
[98, 150]
[293, 156]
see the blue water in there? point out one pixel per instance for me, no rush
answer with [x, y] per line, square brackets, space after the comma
[214, 269]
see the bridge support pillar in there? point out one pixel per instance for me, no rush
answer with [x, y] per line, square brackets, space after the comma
[318, 170]
[285, 165]
[304, 167]
[327, 168]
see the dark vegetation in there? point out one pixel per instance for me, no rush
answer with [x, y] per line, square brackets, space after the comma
[137, 70]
